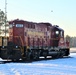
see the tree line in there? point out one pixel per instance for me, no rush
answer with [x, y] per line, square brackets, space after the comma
[72, 40]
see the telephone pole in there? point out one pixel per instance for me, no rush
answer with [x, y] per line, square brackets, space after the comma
[5, 15]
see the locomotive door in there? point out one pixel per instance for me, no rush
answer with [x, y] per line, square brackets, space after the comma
[54, 37]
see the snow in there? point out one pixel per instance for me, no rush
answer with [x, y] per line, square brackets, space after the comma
[63, 66]
[73, 49]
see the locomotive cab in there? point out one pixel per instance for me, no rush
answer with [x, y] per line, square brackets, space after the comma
[57, 33]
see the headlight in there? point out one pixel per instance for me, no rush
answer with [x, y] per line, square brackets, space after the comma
[16, 46]
[2, 46]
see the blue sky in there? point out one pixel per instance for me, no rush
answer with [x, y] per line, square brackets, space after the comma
[64, 12]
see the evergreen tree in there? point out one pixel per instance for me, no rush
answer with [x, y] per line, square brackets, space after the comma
[3, 23]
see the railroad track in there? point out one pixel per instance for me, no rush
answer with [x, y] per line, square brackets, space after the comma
[30, 61]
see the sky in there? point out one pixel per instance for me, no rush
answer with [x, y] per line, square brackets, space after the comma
[57, 12]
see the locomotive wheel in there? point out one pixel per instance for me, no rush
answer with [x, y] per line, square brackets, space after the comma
[55, 56]
[28, 55]
[62, 53]
[45, 53]
[35, 55]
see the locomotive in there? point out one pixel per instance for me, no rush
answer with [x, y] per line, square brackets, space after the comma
[31, 40]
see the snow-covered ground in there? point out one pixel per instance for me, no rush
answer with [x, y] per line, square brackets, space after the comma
[72, 50]
[64, 66]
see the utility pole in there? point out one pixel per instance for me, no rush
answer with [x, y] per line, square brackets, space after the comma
[5, 15]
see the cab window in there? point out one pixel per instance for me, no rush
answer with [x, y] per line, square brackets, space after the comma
[61, 33]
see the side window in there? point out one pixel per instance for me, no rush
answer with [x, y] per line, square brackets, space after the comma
[61, 33]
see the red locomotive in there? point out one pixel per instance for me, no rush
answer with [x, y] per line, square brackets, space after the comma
[30, 40]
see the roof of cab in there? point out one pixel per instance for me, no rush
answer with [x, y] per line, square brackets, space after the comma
[56, 27]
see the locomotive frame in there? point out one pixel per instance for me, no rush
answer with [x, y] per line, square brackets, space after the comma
[30, 40]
